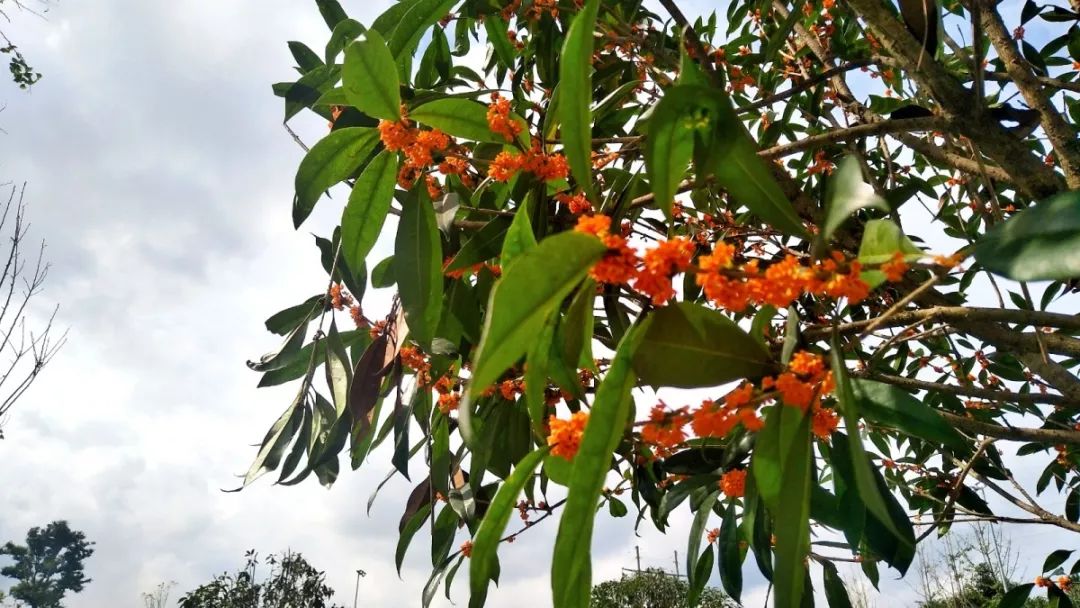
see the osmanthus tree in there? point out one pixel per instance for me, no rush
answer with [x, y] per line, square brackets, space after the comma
[821, 216]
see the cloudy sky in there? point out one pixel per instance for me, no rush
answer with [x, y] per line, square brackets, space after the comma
[161, 178]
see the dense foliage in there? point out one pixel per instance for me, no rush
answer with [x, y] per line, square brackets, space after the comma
[291, 581]
[653, 589]
[49, 566]
[822, 216]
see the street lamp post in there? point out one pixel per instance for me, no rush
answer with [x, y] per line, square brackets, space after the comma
[356, 594]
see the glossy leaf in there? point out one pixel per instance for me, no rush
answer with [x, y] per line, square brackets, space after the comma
[1040, 243]
[459, 117]
[847, 194]
[522, 299]
[370, 77]
[1017, 597]
[418, 267]
[368, 206]
[576, 91]
[486, 540]
[882, 239]
[519, 238]
[331, 160]
[689, 346]
[835, 592]
[891, 406]
[1055, 559]
[730, 555]
[670, 143]
[571, 567]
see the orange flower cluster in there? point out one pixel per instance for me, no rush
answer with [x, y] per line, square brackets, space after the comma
[494, 269]
[547, 167]
[509, 389]
[664, 430]
[895, 268]
[466, 548]
[805, 382]
[357, 316]
[662, 262]
[449, 397]
[651, 275]
[418, 147]
[457, 165]
[821, 164]
[565, 436]
[716, 419]
[576, 203]
[712, 535]
[619, 264]
[339, 298]
[733, 483]
[415, 359]
[734, 288]
[499, 120]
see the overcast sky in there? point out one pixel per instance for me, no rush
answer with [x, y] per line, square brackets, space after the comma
[161, 177]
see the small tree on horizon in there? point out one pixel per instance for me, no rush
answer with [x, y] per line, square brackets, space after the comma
[49, 566]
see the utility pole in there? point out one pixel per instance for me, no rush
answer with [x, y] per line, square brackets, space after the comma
[637, 552]
[356, 594]
[676, 564]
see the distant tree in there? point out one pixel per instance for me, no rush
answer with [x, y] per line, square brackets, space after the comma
[24, 351]
[292, 582]
[159, 597]
[653, 589]
[48, 566]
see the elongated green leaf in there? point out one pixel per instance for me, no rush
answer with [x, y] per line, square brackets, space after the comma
[277, 439]
[344, 32]
[670, 143]
[368, 206]
[522, 299]
[331, 11]
[835, 592]
[702, 570]
[576, 329]
[486, 540]
[305, 58]
[463, 118]
[793, 519]
[496, 28]
[886, 404]
[864, 476]
[688, 346]
[739, 170]
[284, 322]
[483, 246]
[882, 239]
[693, 545]
[334, 158]
[1017, 596]
[536, 377]
[305, 92]
[1040, 243]
[575, 97]
[1055, 559]
[411, 28]
[730, 555]
[338, 371]
[386, 22]
[418, 266]
[571, 568]
[412, 525]
[370, 77]
[519, 238]
[847, 194]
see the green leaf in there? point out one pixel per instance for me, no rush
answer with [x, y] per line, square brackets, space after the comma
[571, 568]
[418, 266]
[496, 29]
[277, 439]
[383, 274]
[780, 468]
[616, 507]
[483, 246]
[861, 468]
[577, 327]
[730, 555]
[410, 29]
[332, 12]
[305, 92]
[338, 371]
[331, 160]
[670, 143]
[486, 540]
[1017, 596]
[697, 531]
[882, 239]
[305, 58]
[1055, 559]
[519, 238]
[891, 406]
[284, 322]
[700, 578]
[344, 33]
[462, 118]
[576, 92]
[536, 377]
[523, 298]
[368, 206]
[1040, 243]
[370, 77]
[1058, 598]
[412, 525]
[835, 592]
[847, 194]
[386, 22]
[690, 346]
